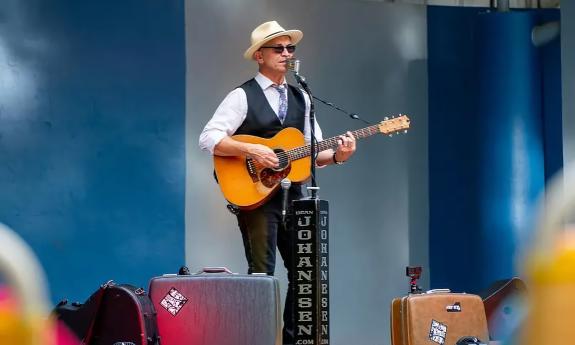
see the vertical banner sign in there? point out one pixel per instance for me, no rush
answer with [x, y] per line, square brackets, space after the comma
[311, 267]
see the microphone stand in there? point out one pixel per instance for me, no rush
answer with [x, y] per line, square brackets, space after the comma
[313, 154]
[310, 229]
[293, 65]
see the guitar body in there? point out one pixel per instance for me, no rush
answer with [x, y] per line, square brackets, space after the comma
[246, 184]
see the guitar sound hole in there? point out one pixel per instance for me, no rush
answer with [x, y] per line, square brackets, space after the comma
[271, 177]
[283, 160]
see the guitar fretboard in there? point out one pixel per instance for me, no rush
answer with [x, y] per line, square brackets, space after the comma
[331, 143]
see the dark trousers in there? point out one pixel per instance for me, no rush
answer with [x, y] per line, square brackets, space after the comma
[262, 231]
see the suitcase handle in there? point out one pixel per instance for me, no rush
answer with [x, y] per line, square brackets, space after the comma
[438, 291]
[214, 270]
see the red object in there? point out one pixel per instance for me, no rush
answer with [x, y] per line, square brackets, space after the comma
[64, 336]
[6, 301]
[504, 303]
[217, 308]
[113, 314]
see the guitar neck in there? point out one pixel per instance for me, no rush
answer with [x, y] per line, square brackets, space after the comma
[331, 143]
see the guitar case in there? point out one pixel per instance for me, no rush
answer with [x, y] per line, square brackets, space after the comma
[505, 304]
[216, 307]
[114, 314]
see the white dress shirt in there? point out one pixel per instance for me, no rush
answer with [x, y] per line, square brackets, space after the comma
[233, 110]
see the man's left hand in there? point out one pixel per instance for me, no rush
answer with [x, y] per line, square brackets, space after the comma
[345, 148]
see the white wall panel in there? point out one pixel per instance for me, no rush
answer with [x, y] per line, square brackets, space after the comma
[369, 58]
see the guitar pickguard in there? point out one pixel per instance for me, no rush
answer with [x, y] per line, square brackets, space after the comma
[270, 178]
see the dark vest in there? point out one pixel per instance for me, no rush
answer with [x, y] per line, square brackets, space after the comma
[261, 120]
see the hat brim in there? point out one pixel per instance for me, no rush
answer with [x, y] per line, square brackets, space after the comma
[295, 36]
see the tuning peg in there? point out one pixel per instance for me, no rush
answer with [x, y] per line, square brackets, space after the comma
[405, 132]
[386, 118]
[391, 135]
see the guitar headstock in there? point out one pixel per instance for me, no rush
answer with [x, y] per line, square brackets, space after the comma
[390, 126]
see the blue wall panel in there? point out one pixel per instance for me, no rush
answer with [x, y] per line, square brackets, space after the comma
[92, 121]
[452, 164]
[550, 59]
[490, 140]
[511, 150]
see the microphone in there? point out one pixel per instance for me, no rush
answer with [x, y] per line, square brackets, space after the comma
[286, 184]
[293, 65]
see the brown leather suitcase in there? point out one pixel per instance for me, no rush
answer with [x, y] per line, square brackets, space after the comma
[437, 318]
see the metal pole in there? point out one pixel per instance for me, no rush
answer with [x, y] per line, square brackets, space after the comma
[503, 5]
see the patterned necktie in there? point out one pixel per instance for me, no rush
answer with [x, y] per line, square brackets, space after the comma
[282, 110]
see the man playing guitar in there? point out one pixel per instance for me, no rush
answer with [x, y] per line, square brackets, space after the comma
[262, 107]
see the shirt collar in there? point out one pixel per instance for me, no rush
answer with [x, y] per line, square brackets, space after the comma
[265, 82]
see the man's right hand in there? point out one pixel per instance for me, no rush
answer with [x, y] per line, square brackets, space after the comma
[263, 155]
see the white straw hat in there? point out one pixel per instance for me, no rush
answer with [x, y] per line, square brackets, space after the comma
[267, 32]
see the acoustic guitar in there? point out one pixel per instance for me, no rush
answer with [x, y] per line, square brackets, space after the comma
[247, 184]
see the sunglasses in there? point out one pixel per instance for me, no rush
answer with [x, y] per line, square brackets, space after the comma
[280, 49]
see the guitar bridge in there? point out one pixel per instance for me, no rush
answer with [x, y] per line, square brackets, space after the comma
[251, 168]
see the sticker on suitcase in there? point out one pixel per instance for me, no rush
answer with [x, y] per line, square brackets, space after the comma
[438, 332]
[455, 308]
[173, 302]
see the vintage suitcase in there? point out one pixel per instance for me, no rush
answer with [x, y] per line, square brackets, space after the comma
[438, 318]
[216, 307]
[114, 314]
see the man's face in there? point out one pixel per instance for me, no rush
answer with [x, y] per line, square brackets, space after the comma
[272, 61]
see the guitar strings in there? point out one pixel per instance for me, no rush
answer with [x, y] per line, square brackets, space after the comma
[303, 151]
